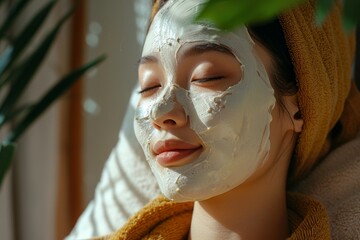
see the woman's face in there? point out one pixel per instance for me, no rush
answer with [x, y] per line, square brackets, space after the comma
[206, 105]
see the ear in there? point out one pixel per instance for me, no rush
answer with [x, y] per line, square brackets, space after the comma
[292, 107]
[297, 121]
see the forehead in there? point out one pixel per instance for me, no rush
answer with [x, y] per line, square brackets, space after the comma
[173, 28]
[189, 50]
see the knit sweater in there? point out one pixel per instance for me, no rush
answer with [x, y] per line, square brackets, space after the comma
[162, 219]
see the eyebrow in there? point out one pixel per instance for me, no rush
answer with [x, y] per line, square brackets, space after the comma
[148, 59]
[194, 50]
[206, 47]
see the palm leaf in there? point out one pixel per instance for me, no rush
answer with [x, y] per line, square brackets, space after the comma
[13, 51]
[19, 111]
[12, 16]
[49, 98]
[6, 153]
[22, 75]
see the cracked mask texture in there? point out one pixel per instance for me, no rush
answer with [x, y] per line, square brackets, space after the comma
[233, 125]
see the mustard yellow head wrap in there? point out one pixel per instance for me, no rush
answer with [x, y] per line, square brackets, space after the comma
[322, 57]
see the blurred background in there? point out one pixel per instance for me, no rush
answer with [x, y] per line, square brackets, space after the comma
[58, 161]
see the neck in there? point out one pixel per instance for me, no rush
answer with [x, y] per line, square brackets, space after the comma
[253, 210]
[256, 209]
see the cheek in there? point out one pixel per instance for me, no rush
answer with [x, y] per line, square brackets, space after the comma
[205, 111]
[281, 123]
[279, 127]
[142, 125]
[275, 126]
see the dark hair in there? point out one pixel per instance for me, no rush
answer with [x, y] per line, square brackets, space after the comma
[271, 36]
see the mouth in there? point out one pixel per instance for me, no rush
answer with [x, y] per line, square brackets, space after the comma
[174, 153]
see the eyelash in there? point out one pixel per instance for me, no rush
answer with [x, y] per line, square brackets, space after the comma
[201, 80]
[148, 89]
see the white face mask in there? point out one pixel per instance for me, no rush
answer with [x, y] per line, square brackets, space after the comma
[233, 125]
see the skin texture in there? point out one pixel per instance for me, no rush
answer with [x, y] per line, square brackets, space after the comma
[255, 208]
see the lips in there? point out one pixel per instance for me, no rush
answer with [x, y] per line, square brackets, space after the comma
[171, 153]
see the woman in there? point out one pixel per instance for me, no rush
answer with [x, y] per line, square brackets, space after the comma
[227, 123]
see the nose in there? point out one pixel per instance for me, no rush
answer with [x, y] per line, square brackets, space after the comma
[171, 119]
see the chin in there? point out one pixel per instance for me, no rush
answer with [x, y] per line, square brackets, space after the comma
[194, 192]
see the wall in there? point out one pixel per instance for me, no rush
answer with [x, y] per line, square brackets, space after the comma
[117, 27]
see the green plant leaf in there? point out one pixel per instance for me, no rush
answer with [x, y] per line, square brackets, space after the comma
[12, 16]
[22, 75]
[228, 14]
[49, 98]
[5, 58]
[351, 14]
[323, 8]
[13, 51]
[19, 111]
[6, 154]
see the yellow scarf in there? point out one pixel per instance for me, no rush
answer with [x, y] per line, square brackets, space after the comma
[162, 219]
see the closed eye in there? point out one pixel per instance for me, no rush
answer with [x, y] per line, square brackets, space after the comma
[148, 89]
[202, 80]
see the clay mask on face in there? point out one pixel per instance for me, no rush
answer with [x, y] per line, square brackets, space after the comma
[233, 125]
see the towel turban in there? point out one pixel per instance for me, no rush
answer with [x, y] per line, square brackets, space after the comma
[322, 58]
